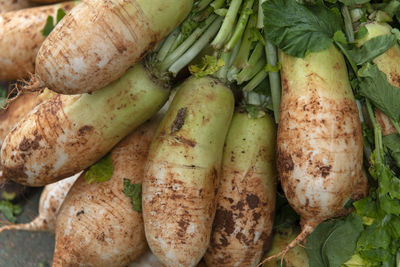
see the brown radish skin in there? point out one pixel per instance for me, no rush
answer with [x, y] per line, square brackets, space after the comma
[20, 39]
[246, 197]
[18, 109]
[388, 63]
[97, 225]
[10, 5]
[66, 134]
[99, 40]
[50, 202]
[319, 142]
[182, 172]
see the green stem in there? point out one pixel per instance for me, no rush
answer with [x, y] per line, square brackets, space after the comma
[165, 48]
[241, 25]
[223, 71]
[274, 78]
[203, 4]
[201, 43]
[227, 25]
[348, 24]
[256, 81]
[396, 125]
[178, 52]
[249, 72]
[344, 51]
[245, 46]
[371, 113]
[217, 4]
[260, 17]
[378, 143]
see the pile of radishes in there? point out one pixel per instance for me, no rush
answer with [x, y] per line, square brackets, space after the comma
[193, 175]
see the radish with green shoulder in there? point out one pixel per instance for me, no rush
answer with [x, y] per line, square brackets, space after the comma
[244, 217]
[98, 41]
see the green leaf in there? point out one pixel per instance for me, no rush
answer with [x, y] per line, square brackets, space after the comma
[208, 66]
[334, 242]
[373, 243]
[8, 196]
[270, 68]
[361, 33]
[383, 95]
[340, 37]
[134, 192]
[298, 29]
[10, 210]
[366, 207]
[101, 171]
[48, 27]
[60, 15]
[392, 142]
[372, 48]
[354, 2]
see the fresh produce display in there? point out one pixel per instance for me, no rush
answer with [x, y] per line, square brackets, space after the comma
[280, 145]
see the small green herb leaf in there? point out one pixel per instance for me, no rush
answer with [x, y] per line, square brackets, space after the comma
[375, 87]
[49, 26]
[299, 29]
[10, 210]
[134, 192]
[208, 66]
[340, 37]
[361, 33]
[100, 171]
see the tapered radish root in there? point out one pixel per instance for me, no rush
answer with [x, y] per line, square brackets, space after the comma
[319, 138]
[246, 198]
[182, 172]
[50, 202]
[99, 40]
[97, 225]
[67, 128]
[21, 38]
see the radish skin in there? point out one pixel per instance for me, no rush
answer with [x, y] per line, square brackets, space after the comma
[96, 225]
[246, 197]
[10, 5]
[388, 63]
[319, 151]
[99, 40]
[20, 39]
[182, 172]
[50, 202]
[44, 147]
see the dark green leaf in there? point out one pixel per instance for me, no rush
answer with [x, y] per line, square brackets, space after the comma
[392, 142]
[383, 95]
[48, 27]
[366, 207]
[334, 242]
[372, 48]
[298, 29]
[134, 192]
[60, 15]
[100, 171]
[373, 243]
[10, 210]
[361, 33]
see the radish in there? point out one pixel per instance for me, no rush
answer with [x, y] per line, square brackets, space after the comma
[66, 127]
[10, 5]
[50, 202]
[319, 152]
[21, 38]
[97, 225]
[388, 63]
[98, 41]
[182, 172]
[246, 198]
